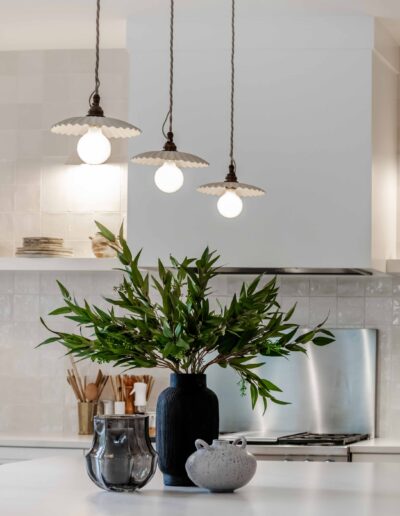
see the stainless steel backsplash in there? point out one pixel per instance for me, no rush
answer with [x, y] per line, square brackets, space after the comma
[331, 390]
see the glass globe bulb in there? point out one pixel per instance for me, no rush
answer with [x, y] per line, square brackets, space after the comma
[230, 205]
[93, 147]
[168, 178]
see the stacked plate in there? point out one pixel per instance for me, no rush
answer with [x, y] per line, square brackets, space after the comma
[43, 247]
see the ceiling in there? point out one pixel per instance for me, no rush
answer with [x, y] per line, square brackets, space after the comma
[48, 9]
[23, 18]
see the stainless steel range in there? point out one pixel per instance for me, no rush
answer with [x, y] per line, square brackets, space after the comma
[304, 446]
[332, 401]
[310, 439]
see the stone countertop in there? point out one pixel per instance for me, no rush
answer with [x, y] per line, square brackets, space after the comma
[60, 486]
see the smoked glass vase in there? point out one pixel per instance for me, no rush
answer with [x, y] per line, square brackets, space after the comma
[122, 457]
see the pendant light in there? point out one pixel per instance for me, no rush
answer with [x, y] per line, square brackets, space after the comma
[94, 129]
[168, 177]
[230, 191]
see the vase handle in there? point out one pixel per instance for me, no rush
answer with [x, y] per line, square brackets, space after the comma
[241, 439]
[98, 426]
[199, 443]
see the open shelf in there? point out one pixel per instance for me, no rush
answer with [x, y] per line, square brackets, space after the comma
[58, 264]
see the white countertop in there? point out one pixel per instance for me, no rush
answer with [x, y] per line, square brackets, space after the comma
[60, 486]
[46, 441]
[377, 445]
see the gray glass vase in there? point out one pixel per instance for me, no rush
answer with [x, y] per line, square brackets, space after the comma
[122, 457]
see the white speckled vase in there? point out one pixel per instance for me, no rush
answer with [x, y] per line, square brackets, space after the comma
[221, 467]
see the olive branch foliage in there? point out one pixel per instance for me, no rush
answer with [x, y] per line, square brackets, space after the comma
[181, 331]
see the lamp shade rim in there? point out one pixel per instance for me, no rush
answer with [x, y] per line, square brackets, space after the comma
[181, 159]
[111, 127]
[241, 189]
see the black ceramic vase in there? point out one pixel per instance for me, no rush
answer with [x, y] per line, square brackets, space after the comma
[186, 411]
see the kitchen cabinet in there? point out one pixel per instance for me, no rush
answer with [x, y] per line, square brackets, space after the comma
[378, 450]
[375, 457]
[16, 454]
[16, 448]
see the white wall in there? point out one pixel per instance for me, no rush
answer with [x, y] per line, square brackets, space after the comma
[303, 119]
[39, 194]
[384, 148]
[34, 394]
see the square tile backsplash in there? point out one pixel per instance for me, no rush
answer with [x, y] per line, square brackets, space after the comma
[32, 381]
[40, 195]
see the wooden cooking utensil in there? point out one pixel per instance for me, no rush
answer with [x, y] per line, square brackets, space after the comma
[103, 383]
[114, 388]
[74, 388]
[74, 384]
[91, 392]
[128, 386]
[77, 376]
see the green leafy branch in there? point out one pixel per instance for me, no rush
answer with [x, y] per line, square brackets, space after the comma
[167, 321]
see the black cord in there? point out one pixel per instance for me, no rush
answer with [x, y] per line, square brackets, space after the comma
[163, 126]
[171, 64]
[232, 84]
[96, 68]
[171, 71]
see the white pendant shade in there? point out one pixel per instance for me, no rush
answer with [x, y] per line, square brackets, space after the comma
[110, 127]
[241, 189]
[181, 159]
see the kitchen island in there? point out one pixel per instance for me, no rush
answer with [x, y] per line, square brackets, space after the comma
[59, 486]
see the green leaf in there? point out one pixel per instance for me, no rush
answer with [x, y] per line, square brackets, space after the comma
[167, 331]
[269, 385]
[290, 313]
[63, 290]
[253, 395]
[60, 311]
[182, 344]
[322, 341]
[50, 340]
[106, 233]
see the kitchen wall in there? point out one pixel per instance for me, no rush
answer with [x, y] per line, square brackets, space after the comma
[39, 194]
[34, 395]
[303, 132]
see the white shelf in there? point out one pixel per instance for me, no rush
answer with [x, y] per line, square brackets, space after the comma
[58, 264]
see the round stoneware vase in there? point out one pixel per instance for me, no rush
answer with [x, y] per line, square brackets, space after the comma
[186, 411]
[221, 467]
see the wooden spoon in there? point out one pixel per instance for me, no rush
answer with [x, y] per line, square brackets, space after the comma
[91, 392]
